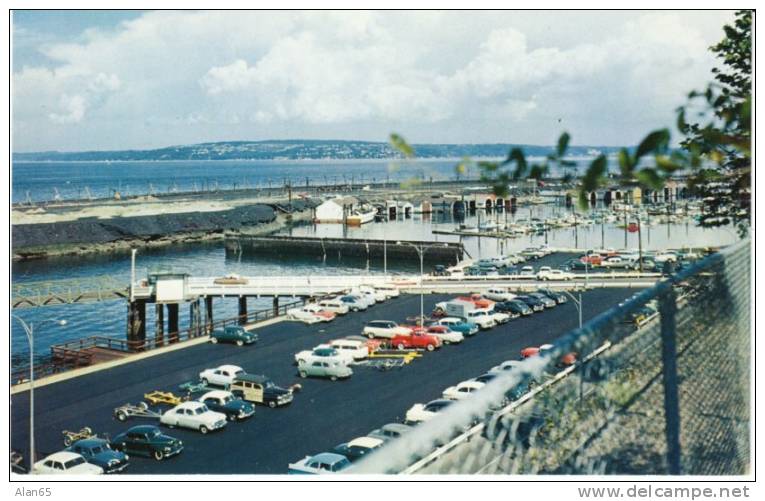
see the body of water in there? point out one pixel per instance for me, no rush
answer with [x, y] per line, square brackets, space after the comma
[109, 318]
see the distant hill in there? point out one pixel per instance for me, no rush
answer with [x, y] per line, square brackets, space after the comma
[297, 150]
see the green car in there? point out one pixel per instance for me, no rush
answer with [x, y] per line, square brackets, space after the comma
[147, 440]
[233, 334]
[321, 368]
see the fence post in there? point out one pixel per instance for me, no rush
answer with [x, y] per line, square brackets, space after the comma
[668, 310]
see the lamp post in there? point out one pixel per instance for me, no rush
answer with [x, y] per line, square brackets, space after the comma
[29, 331]
[578, 303]
[421, 252]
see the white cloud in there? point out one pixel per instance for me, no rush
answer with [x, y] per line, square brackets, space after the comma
[434, 76]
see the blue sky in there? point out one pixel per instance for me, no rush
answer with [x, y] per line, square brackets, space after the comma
[90, 80]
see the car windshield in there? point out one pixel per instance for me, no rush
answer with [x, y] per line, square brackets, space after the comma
[96, 450]
[343, 463]
[239, 372]
[154, 433]
[201, 409]
[227, 399]
[74, 462]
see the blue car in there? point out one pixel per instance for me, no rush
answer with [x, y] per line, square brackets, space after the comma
[326, 462]
[97, 451]
[459, 325]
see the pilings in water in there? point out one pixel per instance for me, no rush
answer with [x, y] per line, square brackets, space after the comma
[242, 310]
[434, 252]
[136, 325]
[172, 322]
[159, 325]
[208, 314]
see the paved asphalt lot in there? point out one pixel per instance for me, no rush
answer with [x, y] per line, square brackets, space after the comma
[322, 415]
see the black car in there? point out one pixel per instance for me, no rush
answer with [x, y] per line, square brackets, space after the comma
[532, 302]
[576, 265]
[558, 297]
[147, 440]
[226, 403]
[97, 451]
[515, 307]
[440, 270]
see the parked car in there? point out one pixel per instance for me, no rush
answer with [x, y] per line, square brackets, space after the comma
[618, 262]
[499, 294]
[357, 350]
[514, 307]
[65, 463]
[419, 413]
[415, 340]
[459, 325]
[221, 376]
[498, 316]
[306, 315]
[478, 300]
[384, 329]
[226, 403]
[365, 295]
[550, 274]
[445, 334]
[331, 369]
[354, 303]
[505, 366]
[390, 431]
[577, 265]
[358, 448]
[147, 440]
[194, 415]
[334, 305]
[260, 390]
[440, 270]
[533, 252]
[481, 318]
[379, 295]
[97, 451]
[527, 271]
[558, 297]
[323, 352]
[233, 334]
[532, 302]
[486, 378]
[462, 390]
[592, 259]
[547, 301]
[318, 310]
[320, 464]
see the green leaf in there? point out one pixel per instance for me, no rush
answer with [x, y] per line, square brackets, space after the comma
[650, 178]
[668, 164]
[625, 163]
[595, 174]
[400, 144]
[563, 144]
[538, 171]
[516, 155]
[656, 142]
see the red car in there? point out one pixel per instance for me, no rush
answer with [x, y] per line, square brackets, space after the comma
[477, 300]
[416, 340]
[592, 259]
[564, 361]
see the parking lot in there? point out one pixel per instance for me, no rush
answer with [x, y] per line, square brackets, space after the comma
[322, 415]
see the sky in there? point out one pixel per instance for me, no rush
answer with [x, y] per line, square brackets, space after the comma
[111, 80]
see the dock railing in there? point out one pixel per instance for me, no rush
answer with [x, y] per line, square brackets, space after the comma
[661, 386]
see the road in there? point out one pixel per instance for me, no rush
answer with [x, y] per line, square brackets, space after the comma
[322, 415]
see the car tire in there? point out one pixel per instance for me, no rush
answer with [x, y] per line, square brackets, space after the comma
[231, 417]
[121, 416]
[333, 378]
[431, 347]
[303, 374]
[205, 381]
[203, 430]
[371, 336]
[239, 342]
[67, 441]
[401, 346]
[214, 340]
[272, 404]
[159, 455]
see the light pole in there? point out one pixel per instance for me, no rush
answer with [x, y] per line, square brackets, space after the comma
[421, 252]
[29, 331]
[578, 303]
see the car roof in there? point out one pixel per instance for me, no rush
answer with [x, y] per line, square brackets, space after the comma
[191, 404]
[216, 394]
[144, 428]
[369, 442]
[90, 442]
[229, 367]
[328, 457]
[63, 456]
[355, 342]
[253, 378]
[396, 427]
[471, 383]
[441, 401]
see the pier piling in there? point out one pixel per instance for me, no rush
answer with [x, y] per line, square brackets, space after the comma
[159, 324]
[172, 322]
[242, 310]
[208, 315]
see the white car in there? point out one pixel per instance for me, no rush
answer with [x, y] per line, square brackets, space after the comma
[419, 413]
[445, 334]
[365, 296]
[527, 271]
[384, 328]
[662, 257]
[306, 316]
[389, 290]
[65, 463]
[499, 294]
[499, 318]
[551, 274]
[194, 415]
[221, 376]
[462, 390]
[334, 305]
[379, 296]
[481, 318]
[358, 350]
[505, 366]
[325, 353]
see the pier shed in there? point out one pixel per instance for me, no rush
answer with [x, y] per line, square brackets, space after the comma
[335, 210]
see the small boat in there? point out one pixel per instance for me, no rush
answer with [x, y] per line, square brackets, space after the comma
[464, 228]
[491, 226]
[361, 216]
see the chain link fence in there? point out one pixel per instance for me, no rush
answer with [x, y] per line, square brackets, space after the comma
[661, 386]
